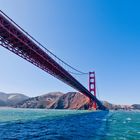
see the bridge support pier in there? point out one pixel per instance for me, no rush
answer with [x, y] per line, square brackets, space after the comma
[92, 89]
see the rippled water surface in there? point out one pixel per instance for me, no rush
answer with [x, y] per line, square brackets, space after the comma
[30, 124]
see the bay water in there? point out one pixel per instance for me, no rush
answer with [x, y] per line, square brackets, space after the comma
[43, 124]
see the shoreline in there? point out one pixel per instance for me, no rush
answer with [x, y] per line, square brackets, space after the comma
[8, 107]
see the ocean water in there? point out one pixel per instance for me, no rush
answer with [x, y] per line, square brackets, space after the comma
[42, 124]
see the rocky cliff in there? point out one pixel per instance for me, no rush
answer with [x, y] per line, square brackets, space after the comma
[57, 100]
[70, 100]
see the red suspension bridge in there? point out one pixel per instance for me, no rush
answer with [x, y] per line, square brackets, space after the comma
[15, 39]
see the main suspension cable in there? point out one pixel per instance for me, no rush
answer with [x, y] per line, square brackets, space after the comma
[79, 72]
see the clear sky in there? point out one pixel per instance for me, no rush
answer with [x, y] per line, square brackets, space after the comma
[100, 35]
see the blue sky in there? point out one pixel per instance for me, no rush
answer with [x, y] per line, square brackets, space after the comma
[88, 34]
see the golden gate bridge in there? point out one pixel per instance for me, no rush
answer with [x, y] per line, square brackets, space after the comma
[18, 41]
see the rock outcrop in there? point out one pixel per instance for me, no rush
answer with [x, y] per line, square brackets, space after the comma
[117, 107]
[136, 106]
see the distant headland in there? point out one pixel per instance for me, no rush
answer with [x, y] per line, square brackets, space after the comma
[56, 100]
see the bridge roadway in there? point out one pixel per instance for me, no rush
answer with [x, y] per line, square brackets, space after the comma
[14, 39]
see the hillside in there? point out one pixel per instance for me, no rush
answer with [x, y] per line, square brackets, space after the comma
[44, 101]
[56, 100]
[70, 100]
[11, 98]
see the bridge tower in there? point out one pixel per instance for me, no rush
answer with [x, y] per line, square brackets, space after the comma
[92, 87]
